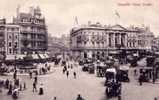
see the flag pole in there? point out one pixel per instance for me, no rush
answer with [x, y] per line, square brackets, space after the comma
[117, 17]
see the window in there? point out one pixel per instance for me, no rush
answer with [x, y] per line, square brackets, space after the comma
[8, 29]
[93, 42]
[16, 44]
[16, 51]
[10, 44]
[17, 29]
[10, 36]
[10, 50]
[110, 44]
[12, 29]
[16, 37]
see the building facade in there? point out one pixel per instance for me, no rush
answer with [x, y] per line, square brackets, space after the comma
[2, 38]
[33, 30]
[95, 40]
[12, 39]
[155, 44]
[58, 45]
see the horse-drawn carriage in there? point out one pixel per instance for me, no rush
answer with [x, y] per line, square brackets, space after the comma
[122, 73]
[101, 68]
[113, 86]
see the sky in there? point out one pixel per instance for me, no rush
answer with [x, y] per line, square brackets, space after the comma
[60, 14]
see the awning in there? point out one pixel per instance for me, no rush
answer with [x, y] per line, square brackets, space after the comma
[46, 55]
[42, 56]
[35, 56]
[20, 56]
[10, 57]
[157, 53]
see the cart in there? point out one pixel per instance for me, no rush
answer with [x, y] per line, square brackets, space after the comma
[122, 74]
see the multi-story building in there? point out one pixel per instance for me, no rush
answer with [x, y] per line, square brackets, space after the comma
[58, 45]
[27, 33]
[140, 38]
[33, 30]
[66, 40]
[155, 44]
[9, 39]
[12, 39]
[94, 40]
[2, 38]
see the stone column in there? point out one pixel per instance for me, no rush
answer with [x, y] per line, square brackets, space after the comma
[125, 40]
[120, 38]
[107, 40]
[113, 40]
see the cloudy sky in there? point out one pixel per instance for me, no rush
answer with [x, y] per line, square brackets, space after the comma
[60, 14]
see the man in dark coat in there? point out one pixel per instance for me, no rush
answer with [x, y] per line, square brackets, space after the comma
[141, 79]
[67, 73]
[74, 74]
[34, 87]
[79, 97]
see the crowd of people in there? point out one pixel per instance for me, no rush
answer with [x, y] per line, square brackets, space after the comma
[14, 85]
[67, 67]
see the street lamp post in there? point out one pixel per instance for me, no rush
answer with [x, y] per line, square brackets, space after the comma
[14, 49]
[15, 69]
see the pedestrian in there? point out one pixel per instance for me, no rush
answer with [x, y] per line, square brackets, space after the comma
[1, 86]
[153, 77]
[34, 87]
[71, 66]
[20, 87]
[24, 85]
[36, 73]
[68, 66]
[74, 74]
[155, 98]
[55, 98]
[41, 90]
[119, 97]
[67, 73]
[140, 79]
[48, 68]
[15, 75]
[135, 72]
[36, 79]
[7, 84]
[63, 70]
[10, 89]
[16, 82]
[30, 74]
[79, 97]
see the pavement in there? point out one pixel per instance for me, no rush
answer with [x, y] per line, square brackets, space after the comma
[57, 84]
[88, 85]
